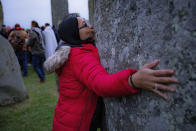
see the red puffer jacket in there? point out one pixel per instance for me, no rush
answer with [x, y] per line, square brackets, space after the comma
[82, 80]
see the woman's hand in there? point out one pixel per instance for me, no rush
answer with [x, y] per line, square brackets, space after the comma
[154, 80]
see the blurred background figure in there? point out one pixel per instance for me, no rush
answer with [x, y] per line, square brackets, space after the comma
[42, 28]
[17, 38]
[56, 34]
[5, 30]
[35, 41]
[50, 40]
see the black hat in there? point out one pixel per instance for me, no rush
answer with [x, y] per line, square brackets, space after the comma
[69, 32]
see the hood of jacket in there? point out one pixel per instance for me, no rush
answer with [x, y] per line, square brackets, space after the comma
[55, 61]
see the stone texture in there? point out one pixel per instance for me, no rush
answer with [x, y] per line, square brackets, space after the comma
[130, 33]
[91, 6]
[59, 11]
[12, 87]
[1, 14]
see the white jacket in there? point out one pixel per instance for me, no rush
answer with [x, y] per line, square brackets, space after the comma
[50, 41]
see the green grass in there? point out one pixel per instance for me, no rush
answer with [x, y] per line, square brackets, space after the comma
[35, 113]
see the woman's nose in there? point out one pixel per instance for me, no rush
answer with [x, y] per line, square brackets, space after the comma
[90, 26]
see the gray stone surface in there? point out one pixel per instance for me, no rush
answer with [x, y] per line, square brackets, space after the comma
[91, 7]
[12, 87]
[1, 14]
[130, 33]
[59, 11]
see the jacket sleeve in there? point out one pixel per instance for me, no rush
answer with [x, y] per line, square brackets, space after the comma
[89, 71]
[31, 39]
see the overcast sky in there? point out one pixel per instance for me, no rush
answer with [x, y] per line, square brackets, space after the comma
[79, 6]
[24, 11]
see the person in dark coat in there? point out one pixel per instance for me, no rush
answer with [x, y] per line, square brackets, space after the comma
[56, 34]
[37, 50]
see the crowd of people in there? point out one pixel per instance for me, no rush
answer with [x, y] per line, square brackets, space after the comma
[33, 45]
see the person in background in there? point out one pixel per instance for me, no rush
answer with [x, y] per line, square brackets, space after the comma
[50, 41]
[28, 47]
[17, 39]
[82, 78]
[3, 31]
[56, 34]
[37, 50]
[42, 28]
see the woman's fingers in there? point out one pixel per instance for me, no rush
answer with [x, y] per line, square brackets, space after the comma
[154, 80]
[166, 80]
[160, 94]
[151, 65]
[165, 72]
[164, 88]
[157, 87]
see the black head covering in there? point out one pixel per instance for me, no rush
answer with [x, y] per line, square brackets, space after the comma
[69, 32]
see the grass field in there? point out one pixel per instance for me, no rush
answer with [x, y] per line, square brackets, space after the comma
[35, 113]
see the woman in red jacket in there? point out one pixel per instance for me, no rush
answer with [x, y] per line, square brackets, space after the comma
[82, 78]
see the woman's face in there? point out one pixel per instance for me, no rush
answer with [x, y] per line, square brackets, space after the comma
[85, 31]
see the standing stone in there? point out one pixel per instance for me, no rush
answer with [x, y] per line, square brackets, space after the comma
[1, 14]
[91, 6]
[130, 33]
[59, 11]
[12, 87]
